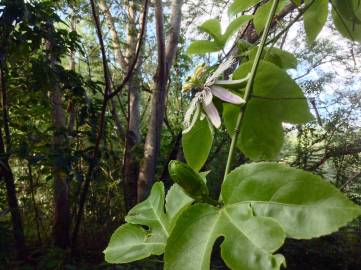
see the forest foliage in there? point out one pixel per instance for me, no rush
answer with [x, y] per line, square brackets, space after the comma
[144, 128]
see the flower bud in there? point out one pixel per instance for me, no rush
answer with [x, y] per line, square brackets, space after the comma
[187, 87]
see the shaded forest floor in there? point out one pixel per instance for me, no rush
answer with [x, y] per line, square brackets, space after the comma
[340, 251]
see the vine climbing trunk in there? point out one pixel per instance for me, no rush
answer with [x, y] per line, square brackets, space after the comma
[166, 55]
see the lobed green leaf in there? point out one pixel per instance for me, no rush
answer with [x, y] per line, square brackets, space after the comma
[131, 242]
[263, 202]
[306, 205]
[248, 240]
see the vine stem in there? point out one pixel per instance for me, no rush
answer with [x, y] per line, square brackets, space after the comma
[249, 86]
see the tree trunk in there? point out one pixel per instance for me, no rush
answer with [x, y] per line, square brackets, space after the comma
[119, 60]
[115, 41]
[166, 56]
[36, 210]
[6, 172]
[61, 225]
[130, 163]
[173, 155]
[7, 175]
[72, 64]
[93, 165]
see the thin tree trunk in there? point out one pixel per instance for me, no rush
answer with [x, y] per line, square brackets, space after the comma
[7, 174]
[5, 169]
[61, 225]
[131, 164]
[93, 165]
[119, 60]
[36, 210]
[166, 56]
[115, 41]
[117, 122]
[173, 155]
[107, 96]
[71, 106]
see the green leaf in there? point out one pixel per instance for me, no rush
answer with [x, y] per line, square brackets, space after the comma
[276, 98]
[213, 28]
[197, 143]
[347, 28]
[176, 202]
[132, 242]
[241, 5]
[275, 86]
[151, 212]
[350, 9]
[248, 241]
[230, 114]
[261, 134]
[234, 26]
[261, 15]
[263, 202]
[281, 58]
[315, 18]
[303, 203]
[203, 47]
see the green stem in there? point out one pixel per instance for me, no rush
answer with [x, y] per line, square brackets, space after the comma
[249, 86]
[299, 15]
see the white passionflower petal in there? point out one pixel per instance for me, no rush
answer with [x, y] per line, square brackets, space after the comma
[212, 114]
[193, 120]
[207, 95]
[226, 95]
[219, 71]
[190, 111]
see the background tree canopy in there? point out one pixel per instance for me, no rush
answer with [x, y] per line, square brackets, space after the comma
[92, 112]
